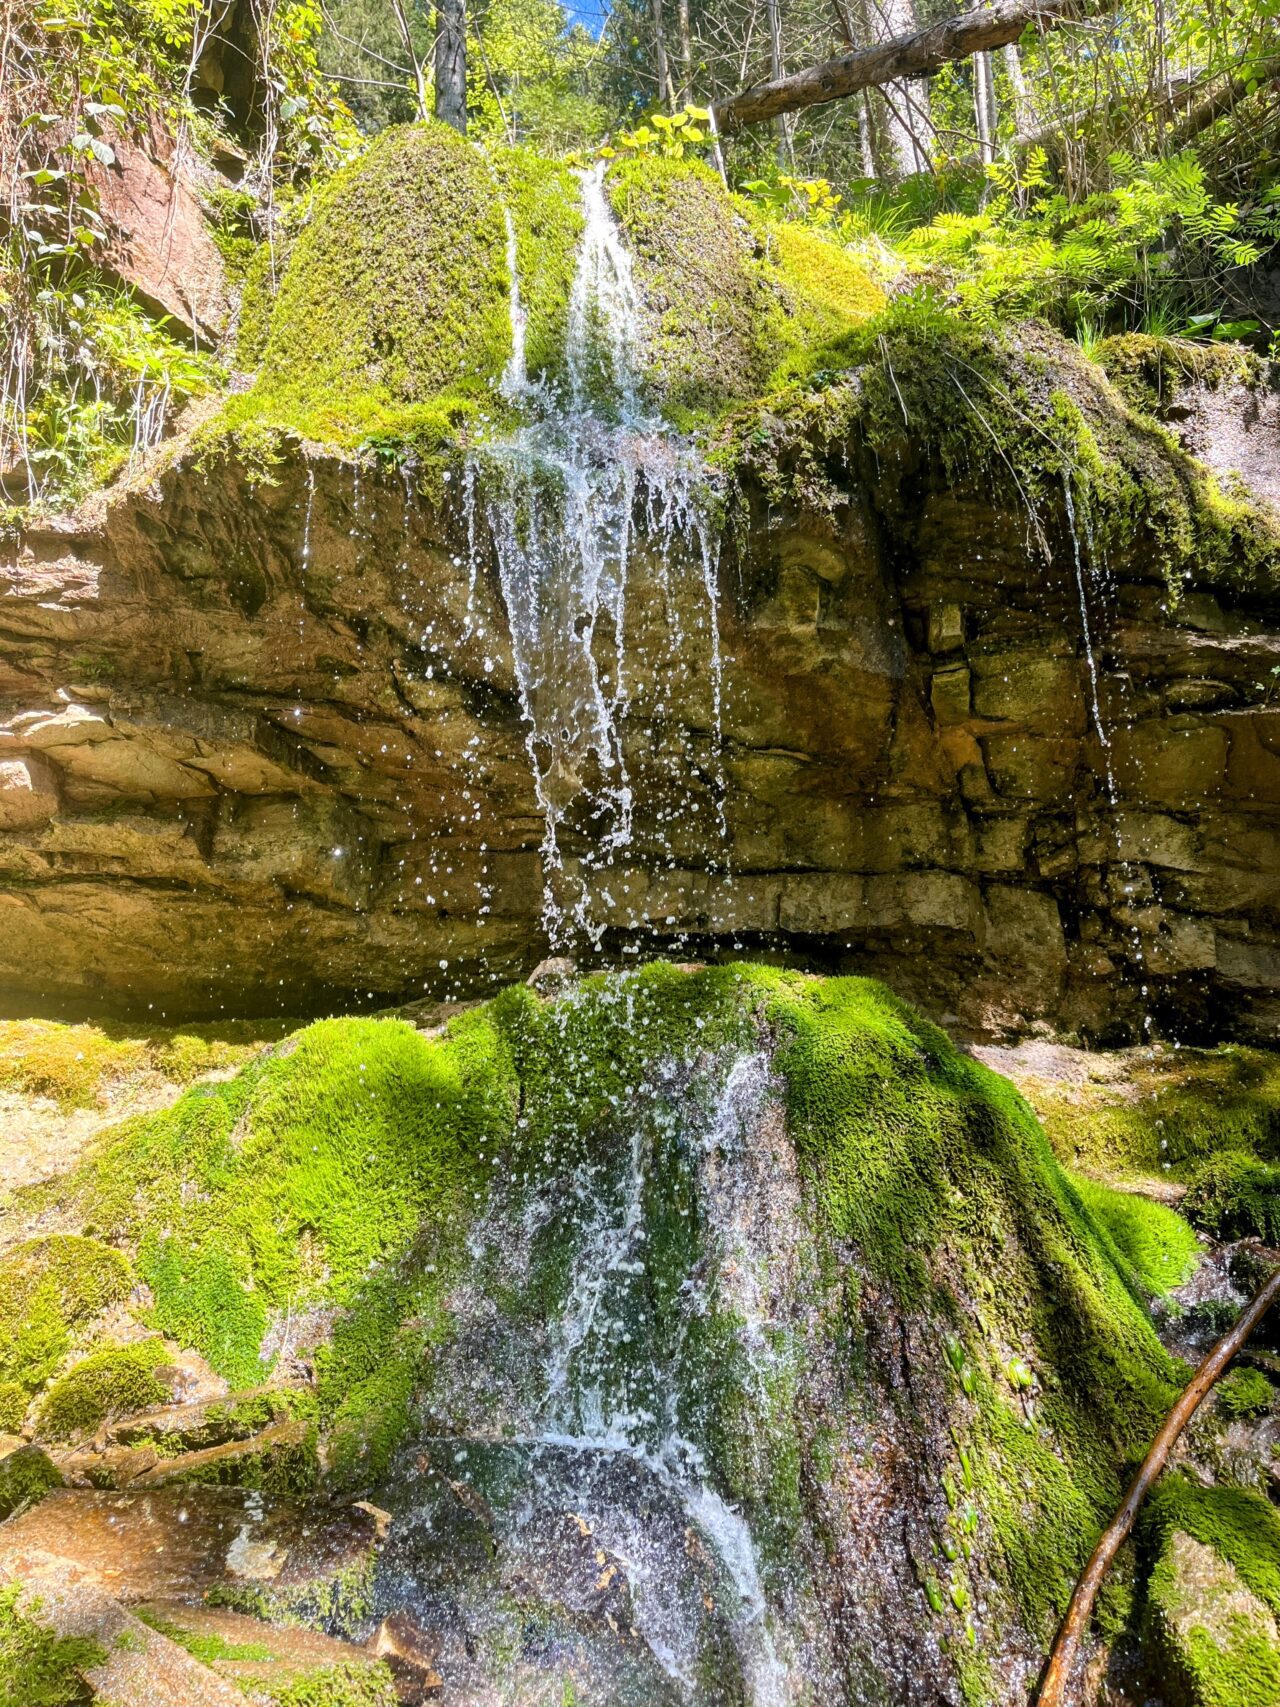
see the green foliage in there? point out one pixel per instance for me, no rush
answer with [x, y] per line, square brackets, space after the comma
[670, 136]
[1034, 249]
[37, 1668]
[532, 77]
[112, 1382]
[1152, 1238]
[1234, 1195]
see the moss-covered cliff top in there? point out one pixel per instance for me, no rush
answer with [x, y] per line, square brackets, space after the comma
[393, 311]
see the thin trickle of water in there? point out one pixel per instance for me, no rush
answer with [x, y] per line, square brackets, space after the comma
[566, 503]
[1081, 591]
[515, 377]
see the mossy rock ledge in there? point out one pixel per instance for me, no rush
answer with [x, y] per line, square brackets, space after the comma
[666, 1315]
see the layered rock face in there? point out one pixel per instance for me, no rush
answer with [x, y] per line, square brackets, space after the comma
[264, 746]
[972, 687]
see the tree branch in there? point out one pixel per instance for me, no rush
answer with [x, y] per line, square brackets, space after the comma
[900, 57]
[1062, 1658]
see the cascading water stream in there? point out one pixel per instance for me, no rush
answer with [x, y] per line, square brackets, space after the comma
[568, 502]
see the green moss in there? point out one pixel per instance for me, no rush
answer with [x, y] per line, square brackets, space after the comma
[545, 207]
[38, 1668]
[1239, 1525]
[1151, 373]
[825, 294]
[1155, 1240]
[113, 1382]
[1176, 1106]
[26, 1475]
[207, 1647]
[282, 1466]
[1245, 1393]
[710, 312]
[1206, 1637]
[353, 1685]
[1234, 1195]
[392, 311]
[14, 1400]
[1020, 408]
[49, 1288]
[78, 1066]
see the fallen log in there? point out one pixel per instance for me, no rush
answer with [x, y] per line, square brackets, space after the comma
[1066, 1645]
[901, 58]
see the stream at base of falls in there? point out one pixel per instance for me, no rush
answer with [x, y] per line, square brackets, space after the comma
[593, 493]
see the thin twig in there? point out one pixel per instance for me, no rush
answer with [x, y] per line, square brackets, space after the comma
[1066, 1646]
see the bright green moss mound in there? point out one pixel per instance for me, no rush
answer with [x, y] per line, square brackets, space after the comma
[26, 1475]
[734, 304]
[37, 1668]
[711, 315]
[113, 1382]
[1245, 1393]
[1206, 1636]
[1157, 1243]
[49, 1289]
[393, 306]
[338, 1178]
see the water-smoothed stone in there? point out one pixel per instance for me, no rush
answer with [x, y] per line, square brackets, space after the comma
[182, 1543]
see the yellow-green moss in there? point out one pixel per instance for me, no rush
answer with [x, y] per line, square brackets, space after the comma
[825, 292]
[49, 1289]
[79, 1066]
[113, 1382]
[26, 1475]
[544, 202]
[710, 310]
[1174, 1107]
[1151, 373]
[392, 310]
[37, 1667]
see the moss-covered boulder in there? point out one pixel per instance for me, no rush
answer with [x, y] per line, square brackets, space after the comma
[758, 1255]
[1211, 1641]
[393, 305]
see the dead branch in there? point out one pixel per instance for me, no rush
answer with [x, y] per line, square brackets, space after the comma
[1067, 1643]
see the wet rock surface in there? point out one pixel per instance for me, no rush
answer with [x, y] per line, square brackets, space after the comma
[265, 744]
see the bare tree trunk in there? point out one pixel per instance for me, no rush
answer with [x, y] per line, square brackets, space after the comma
[984, 107]
[451, 63]
[1022, 115]
[686, 54]
[902, 103]
[406, 42]
[665, 91]
[775, 71]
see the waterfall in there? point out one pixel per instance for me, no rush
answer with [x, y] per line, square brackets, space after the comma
[566, 503]
[601, 1410]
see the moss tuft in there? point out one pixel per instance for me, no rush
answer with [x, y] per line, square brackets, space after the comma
[113, 1382]
[26, 1475]
[50, 1288]
[1153, 1239]
[1234, 1195]
[37, 1667]
[1245, 1393]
